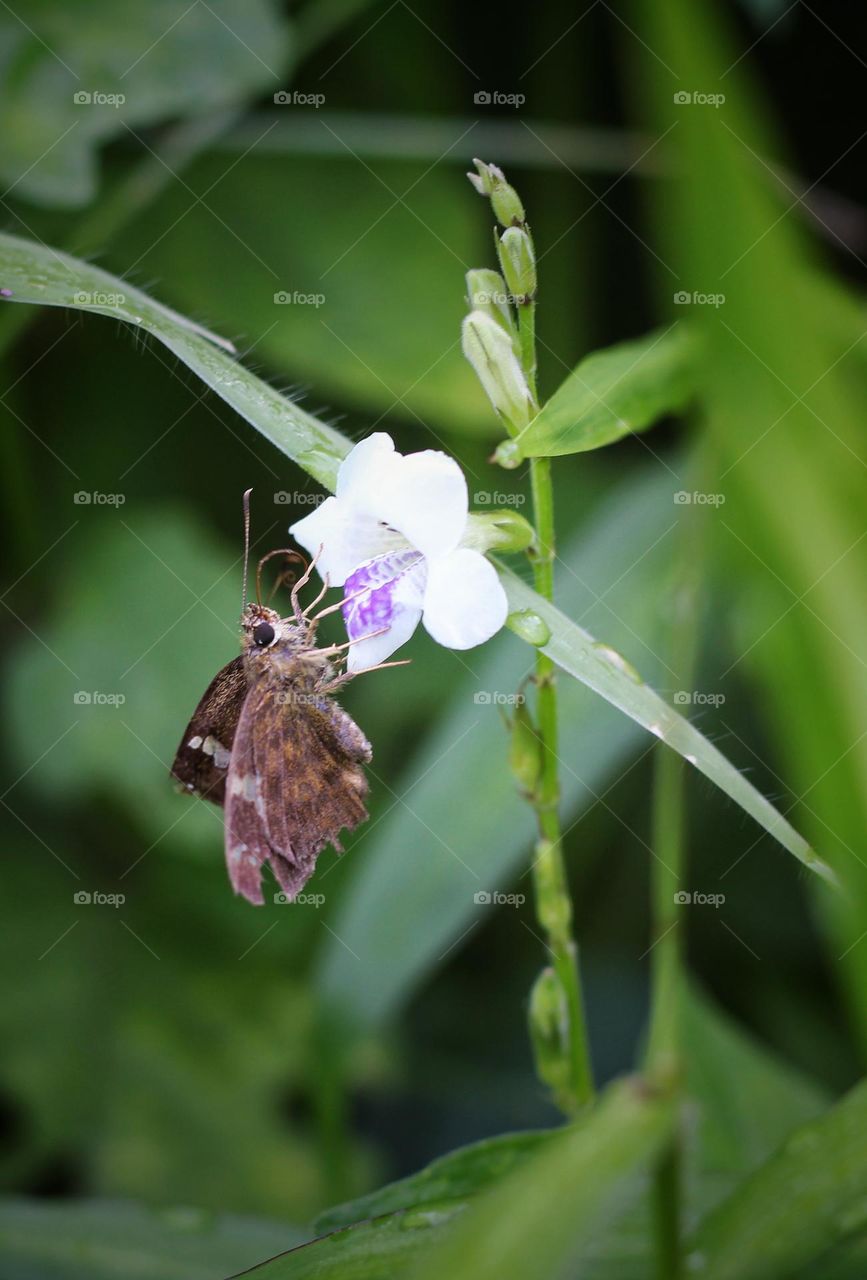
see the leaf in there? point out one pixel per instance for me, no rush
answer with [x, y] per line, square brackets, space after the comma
[802, 1201]
[613, 393]
[545, 1213]
[455, 1176]
[606, 672]
[528, 1223]
[105, 1239]
[749, 1099]
[35, 273]
[62, 80]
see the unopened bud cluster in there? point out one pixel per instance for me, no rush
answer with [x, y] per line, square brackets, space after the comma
[491, 334]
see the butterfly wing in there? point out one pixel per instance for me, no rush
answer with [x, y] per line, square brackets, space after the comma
[202, 759]
[295, 781]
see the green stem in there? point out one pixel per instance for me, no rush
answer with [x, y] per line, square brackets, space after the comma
[553, 904]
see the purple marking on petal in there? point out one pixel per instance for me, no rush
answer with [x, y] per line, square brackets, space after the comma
[378, 581]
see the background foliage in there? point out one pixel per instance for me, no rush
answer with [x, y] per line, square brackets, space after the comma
[183, 1049]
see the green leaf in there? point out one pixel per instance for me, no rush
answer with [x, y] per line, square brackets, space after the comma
[455, 1176]
[552, 1208]
[104, 1239]
[165, 59]
[529, 1222]
[613, 393]
[35, 273]
[749, 1100]
[606, 672]
[799, 1204]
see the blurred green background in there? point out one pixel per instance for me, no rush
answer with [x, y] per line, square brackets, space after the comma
[184, 1047]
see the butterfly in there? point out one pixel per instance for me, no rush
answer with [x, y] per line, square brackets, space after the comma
[269, 744]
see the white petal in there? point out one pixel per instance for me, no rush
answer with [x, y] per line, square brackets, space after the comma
[347, 538]
[424, 496]
[388, 610]
[464, 602]
[361, 469]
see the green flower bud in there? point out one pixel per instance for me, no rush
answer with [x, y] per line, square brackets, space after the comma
[489, 350]
[505, 202]
[515, 251]
[504, 530]
[508, 455]
[525, 752]
[487, 291]
[548, 1019]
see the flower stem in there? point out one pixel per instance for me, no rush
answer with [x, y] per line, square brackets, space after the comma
[553, 903]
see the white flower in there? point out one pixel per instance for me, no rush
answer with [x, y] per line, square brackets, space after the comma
[392, 539]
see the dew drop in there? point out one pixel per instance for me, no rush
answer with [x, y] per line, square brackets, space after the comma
[692, 759]
[657, 729]
[617, 660]
[529, 626]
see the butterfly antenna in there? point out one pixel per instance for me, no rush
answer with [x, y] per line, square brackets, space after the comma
[246, 548]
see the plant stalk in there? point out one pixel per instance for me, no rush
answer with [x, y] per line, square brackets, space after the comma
[553, 903]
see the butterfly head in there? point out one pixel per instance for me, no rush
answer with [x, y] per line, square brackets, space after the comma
[265, 633]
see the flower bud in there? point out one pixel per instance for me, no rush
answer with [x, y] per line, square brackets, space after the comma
[505, 202]
[525, 752]
[549, 1031]
[487, 291]
[489, 350]
[515, 251]
[504, 530]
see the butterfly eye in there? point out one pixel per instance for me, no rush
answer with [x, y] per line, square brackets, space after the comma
[263, 634]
